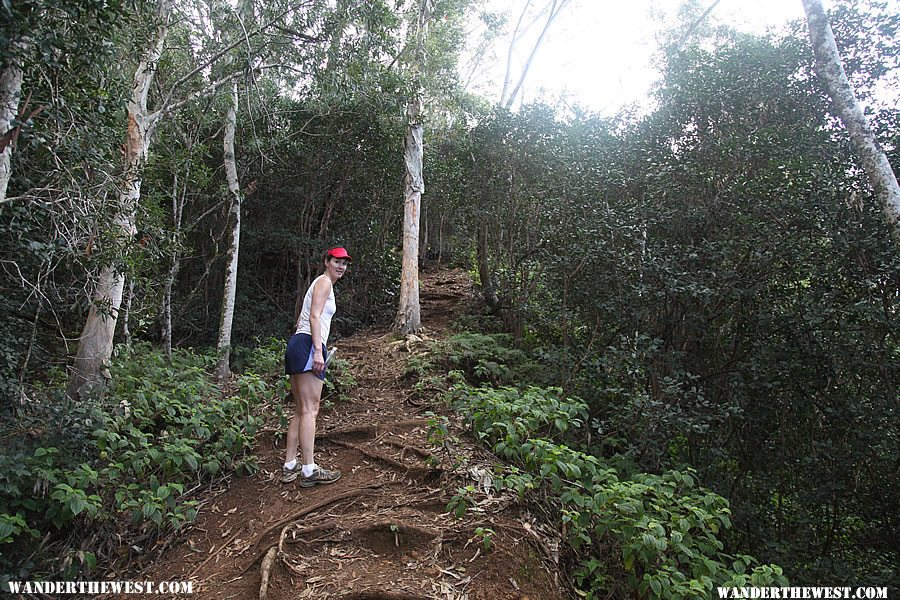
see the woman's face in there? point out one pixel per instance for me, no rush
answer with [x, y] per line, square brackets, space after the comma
[337, 266]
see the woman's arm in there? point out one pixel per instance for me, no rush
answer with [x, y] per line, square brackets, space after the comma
[320, 295]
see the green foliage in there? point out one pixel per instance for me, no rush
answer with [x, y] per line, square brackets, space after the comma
[52, 32]
[462, 500]
[11, 526]
[478, 357]
[536, 413]
[485, 537]
[339, 381]
[262, 358]
[162, 428]
[654, 535]
[716, 282]
[438, 428]
[440, 436]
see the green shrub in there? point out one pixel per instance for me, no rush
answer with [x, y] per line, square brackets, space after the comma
[653, 535]
[509, 416]
[265, 357]
[339, 381]
[160, 429]
[481, 358]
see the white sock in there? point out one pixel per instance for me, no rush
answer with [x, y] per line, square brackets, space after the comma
[290, 464]
[308, 469]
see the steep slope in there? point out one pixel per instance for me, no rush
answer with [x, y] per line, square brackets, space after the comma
[382, 531]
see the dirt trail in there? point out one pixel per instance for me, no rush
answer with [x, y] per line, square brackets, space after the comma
[382, 531]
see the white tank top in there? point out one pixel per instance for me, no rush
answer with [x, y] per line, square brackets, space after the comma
[327, 312]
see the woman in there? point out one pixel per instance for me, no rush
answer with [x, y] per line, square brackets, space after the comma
[304, 362]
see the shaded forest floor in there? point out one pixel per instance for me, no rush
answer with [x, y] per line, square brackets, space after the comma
[382, 531]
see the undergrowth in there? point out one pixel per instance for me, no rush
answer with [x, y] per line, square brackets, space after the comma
[628, 534]
[99, 480]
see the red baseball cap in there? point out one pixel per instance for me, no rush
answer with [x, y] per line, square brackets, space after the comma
[338, 253]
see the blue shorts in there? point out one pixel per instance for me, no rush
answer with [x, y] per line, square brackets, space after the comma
[299, 355]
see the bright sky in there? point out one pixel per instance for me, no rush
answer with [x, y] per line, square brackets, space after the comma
[599, 53]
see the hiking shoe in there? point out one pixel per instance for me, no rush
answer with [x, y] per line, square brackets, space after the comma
[319, 476]
[288, 475]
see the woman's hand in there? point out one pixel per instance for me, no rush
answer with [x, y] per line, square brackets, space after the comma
[318, 364]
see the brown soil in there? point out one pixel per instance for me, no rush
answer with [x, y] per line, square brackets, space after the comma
[382, 531]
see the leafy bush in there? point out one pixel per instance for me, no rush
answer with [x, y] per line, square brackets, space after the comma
[137, 451]
[479, 357]
[656, 535]
[339, 380]
[265, 357]
[509, 416]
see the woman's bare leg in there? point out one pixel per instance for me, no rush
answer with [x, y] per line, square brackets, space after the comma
[310, 389]
[293, 432]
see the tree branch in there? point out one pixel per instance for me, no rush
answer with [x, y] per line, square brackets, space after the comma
[167, 104]
[680, 46]
[209, 90]
[555, 9]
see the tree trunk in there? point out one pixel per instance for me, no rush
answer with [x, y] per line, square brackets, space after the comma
[831, 71]
[95, 344]
[484, 269]
[408, 314]
[129, 296]
[166, 308]
[441, 241]
[174, 265]
[223, 347]
[409, 319]
[10, 94]
[423, 245]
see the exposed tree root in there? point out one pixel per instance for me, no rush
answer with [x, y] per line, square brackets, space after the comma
[307, 530]
[266, 570]
[424, 472]
[283, 540]
[366, 432]
[309, 509]
[401, 528]
[406, 448]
